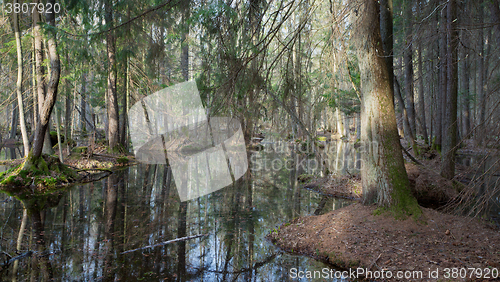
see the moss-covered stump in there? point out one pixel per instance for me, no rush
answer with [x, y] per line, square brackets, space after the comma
[40, 175]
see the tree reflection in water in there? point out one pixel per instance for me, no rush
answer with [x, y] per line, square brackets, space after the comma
[85, 230]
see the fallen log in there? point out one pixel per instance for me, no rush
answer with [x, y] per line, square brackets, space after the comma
[165, 243]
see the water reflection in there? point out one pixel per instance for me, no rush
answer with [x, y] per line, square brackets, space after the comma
[81, 235]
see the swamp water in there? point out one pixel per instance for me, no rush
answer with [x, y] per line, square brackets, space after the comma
[87, 229]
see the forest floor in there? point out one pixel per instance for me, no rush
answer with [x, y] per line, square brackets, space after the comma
[354, 236]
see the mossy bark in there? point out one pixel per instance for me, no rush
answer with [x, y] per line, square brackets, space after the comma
[383, 174]
[32, 162]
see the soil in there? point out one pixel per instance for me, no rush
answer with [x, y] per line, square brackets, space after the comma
[430, 189]
[353, 237]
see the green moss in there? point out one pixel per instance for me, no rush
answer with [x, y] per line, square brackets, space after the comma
[80, 150]
[118, 149]
[122, 160]
[403, 203]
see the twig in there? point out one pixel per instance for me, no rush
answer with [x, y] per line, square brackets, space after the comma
[165, 243]
[375, 262]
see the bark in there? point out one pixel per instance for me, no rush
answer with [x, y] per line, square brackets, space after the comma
[19, 84]
[112, 99]
[386, 31]
[383, 175]
[450, 132]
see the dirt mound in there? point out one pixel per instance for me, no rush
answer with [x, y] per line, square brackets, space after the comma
[354, 237]
[430, 188]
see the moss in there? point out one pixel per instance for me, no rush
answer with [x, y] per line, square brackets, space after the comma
[80, 150]
[403, 203]
[122, 160]
[118, 149]
[46, 173]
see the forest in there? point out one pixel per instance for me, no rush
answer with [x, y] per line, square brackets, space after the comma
[381, 114]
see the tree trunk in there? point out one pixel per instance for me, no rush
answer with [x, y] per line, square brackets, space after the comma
[383, 175]
[13, 121]
[67, 117]
[441, 97]
[184, 43]
[46, 146]
[481, 107]
[465, 80]
[450, 130]
[83, 104]
[408, 61]
[112, 99]
[421, 98]
[386, 32]
[19, 84]
[49, 99]
[402, 108]
[123, 129]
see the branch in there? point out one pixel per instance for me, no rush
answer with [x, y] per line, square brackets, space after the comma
[166, 243]
[126, 22]
[410, 156]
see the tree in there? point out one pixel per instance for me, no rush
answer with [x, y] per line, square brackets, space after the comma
[450, 125]
[19, 83]
[111, 96]
[408, 70]
[49, 99]
[383, 176]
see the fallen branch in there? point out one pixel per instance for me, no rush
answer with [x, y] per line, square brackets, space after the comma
[166, 243]
[410, 156]
[13, 259]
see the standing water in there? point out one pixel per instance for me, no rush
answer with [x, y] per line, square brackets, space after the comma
[88, 229]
